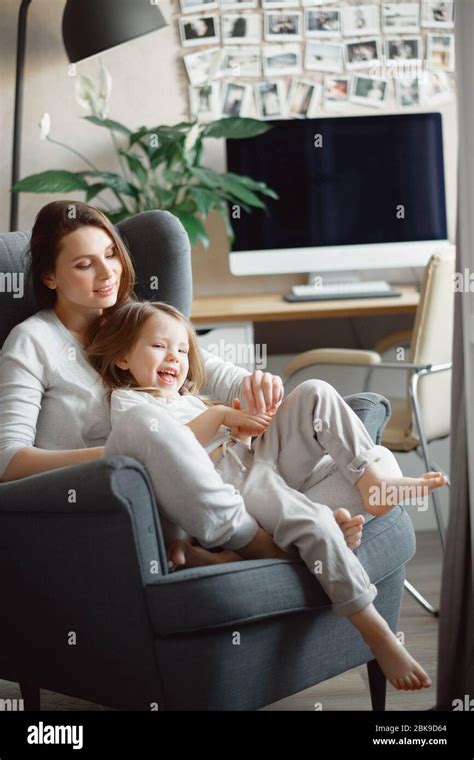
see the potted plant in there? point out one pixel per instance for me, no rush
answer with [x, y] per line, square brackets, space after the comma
[161, 167]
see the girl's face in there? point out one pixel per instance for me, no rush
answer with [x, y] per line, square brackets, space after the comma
[159, 358]
[87, 270]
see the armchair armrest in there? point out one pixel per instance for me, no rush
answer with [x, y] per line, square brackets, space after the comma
[116, 489]
[78, 546]
[373, 410]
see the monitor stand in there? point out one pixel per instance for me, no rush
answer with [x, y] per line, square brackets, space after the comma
[333, 278]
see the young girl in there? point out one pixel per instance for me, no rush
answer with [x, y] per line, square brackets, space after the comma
[148, 355]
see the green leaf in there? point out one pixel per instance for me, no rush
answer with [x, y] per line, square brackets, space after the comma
[233, 185]
[53, 181]
[236, 202]
[184, 125]
[224, 212]
[138, 134]
[235, 127]
[175, 131]
[192, 225]
[136, 167]
[205, 200]
[158, 155]
[198, 150]
[206, 176]
[116, 182]
[187, 206]
[94, 190]
[230, 183]
[115, 126]
[164, 134]
[175, 179]
[254, 184]
[164, 197]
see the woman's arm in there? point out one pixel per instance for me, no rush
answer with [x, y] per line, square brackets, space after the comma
[259, 390]
[23, 382]
[224, 379]
[33, 461]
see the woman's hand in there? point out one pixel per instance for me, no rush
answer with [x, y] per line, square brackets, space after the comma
[263, 392]
[243, 423]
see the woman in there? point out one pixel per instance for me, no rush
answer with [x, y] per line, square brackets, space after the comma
[53, 408]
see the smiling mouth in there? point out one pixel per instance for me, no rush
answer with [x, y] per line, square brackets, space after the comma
[167, 376]
[105, 291]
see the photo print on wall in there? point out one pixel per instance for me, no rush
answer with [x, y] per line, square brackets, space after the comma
[315, 56]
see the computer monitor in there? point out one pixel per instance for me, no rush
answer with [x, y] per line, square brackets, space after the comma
[359, 192]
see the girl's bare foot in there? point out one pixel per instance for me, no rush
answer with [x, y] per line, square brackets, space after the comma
[399, 667]
[380, 493]
[350, 526]
[183, 554]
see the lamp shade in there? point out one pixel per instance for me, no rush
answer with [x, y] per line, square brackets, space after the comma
[92, 26]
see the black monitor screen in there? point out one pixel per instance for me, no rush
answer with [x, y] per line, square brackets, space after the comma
[343, 181]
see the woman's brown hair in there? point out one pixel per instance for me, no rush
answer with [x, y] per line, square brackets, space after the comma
[116, 334]
[58, 219]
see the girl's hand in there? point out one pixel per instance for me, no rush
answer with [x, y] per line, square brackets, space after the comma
[243, 423]
[235, 431]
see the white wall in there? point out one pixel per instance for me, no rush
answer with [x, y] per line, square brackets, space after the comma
[149, 87]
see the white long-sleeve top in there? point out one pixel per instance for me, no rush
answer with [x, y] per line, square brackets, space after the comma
[52, 398]
[182, 408]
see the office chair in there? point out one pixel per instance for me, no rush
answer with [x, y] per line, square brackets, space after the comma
[423, 414]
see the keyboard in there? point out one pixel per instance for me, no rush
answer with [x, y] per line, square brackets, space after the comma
[341, 291]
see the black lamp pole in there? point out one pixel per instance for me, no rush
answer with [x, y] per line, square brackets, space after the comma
[17, 119]
[89, 27]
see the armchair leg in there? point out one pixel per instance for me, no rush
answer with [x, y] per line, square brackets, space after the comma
[31, 697]
[378, 685]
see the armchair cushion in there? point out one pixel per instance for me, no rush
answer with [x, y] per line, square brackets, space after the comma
[272, 587]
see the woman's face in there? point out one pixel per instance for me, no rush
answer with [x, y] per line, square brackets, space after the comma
[159, 358]
[87, 270]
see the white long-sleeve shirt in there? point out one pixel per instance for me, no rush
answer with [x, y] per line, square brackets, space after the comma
[182, 408]
[52, 398]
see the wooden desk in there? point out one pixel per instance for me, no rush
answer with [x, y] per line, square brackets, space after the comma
[270, 307]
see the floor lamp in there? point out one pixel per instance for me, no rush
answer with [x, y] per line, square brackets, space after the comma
[89, 27]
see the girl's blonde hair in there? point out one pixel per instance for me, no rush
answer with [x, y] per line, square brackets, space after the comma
[116, 333]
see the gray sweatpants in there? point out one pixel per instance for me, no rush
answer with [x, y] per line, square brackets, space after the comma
[315, 443]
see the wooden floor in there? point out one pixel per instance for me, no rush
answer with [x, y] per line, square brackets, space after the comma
[420, 630]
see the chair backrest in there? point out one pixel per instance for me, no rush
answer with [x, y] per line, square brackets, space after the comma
[432, 341]
[161, 254]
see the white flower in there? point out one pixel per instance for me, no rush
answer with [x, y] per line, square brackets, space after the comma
[95, 98]
[45, 126]
[85, 93]
[191, 137]
[105, 90]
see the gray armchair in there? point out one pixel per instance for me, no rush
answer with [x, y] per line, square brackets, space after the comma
[152, 639]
